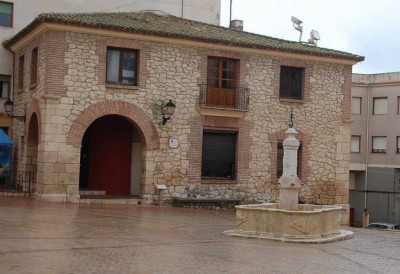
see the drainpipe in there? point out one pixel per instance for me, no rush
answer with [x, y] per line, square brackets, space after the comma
[367, 144]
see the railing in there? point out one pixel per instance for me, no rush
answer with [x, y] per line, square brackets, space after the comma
[221, 98]
[23, 182]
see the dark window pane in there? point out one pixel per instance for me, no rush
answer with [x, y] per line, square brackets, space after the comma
[6, 8]
[128, 67]
[291, 82]
[5, 20]
[228, 64]
[218, 155]
[213, 63]
[212, 73]
[228, 74]
[228, 84]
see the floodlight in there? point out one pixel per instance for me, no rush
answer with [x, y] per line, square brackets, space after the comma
[315, 35]
[296, 24]
[296, 21]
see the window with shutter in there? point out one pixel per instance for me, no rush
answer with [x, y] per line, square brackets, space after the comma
[291, 82]
[218, 155]
[380, 105]
[355, 144]
[356, 105]
[379, 144]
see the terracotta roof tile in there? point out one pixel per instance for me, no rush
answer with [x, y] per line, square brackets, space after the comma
[176, 27]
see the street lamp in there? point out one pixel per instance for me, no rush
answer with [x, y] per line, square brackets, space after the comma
[9, 107]
[168, 110]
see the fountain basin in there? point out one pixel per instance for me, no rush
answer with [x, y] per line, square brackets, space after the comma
[308, 224]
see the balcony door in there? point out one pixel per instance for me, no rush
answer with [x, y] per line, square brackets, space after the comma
[222, 74]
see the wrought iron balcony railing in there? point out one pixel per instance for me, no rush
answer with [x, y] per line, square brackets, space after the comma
[222, 98]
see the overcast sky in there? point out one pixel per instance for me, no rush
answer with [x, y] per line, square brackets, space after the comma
[365, 27]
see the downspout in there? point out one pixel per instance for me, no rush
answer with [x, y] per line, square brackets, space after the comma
[367, 145]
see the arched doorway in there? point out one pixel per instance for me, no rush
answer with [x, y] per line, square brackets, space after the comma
[111, 159]
[31, 153]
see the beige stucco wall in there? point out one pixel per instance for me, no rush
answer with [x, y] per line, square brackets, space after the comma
[72, 92]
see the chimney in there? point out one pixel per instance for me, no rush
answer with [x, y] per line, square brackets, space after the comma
[236, 25]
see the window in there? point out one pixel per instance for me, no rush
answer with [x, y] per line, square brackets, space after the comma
[378, 144]
[221, 72]
[355, 144]
[279, 163]
[380, 105]
[356, 105]
[218, 155]
[398, 105]
[21, 72]
[6, 14]
[221, 82]
[34, 66]
[398, 144]
[291, 82]
[122, 66]
[5, 86]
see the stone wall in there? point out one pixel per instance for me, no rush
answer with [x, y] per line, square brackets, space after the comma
[76, 83]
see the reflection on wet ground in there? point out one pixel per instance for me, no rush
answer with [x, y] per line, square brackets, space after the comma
[67, 238]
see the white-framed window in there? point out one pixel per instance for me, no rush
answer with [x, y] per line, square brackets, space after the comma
[355, 144]
[379, 144]
[356, 105]
[380, 105]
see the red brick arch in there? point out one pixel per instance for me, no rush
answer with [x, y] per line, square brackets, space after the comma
[127, 110]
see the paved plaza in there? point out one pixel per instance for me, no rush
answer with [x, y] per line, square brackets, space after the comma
[67, 238]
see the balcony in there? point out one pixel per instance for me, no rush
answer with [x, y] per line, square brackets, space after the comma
[224, 99]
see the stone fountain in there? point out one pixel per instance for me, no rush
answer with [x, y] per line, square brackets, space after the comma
[288, 220]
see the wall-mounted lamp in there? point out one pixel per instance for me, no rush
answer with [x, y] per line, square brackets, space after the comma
[168, 110]
[9, 107]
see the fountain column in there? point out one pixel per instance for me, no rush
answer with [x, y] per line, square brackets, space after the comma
[289, 183]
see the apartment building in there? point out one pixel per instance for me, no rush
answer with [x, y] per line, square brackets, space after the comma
[17, 14]
[375, 147]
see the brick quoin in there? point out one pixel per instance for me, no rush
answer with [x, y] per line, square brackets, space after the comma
[130, 111]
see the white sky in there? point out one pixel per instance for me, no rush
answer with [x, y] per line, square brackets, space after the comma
[363, 27]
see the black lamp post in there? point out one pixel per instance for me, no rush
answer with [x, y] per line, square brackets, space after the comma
[168, 110]
[9, 107]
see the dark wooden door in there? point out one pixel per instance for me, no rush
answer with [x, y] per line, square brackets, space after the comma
[110, 149]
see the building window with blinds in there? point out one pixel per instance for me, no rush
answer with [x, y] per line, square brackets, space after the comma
[356, 105]
[355, 144]
[122, 65]
[398, 144]
[379, 144]
[218, 155]
[6, 14]
[5, 86]
[380, 105]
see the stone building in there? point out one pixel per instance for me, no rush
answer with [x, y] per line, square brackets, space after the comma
[16, 14]
[93, 87]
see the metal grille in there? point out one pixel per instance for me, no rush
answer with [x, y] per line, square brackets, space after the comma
[221, 98]
[23, 182]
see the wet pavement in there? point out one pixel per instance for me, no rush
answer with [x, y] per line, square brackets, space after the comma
[66, 238]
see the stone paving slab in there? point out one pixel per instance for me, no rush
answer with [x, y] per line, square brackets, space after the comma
[68, 238]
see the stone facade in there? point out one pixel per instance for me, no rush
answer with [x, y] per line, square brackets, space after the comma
[72, 93]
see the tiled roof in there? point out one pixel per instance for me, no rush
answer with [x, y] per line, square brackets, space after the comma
[175, 27]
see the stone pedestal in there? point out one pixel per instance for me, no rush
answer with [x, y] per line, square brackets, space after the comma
[289, 183]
